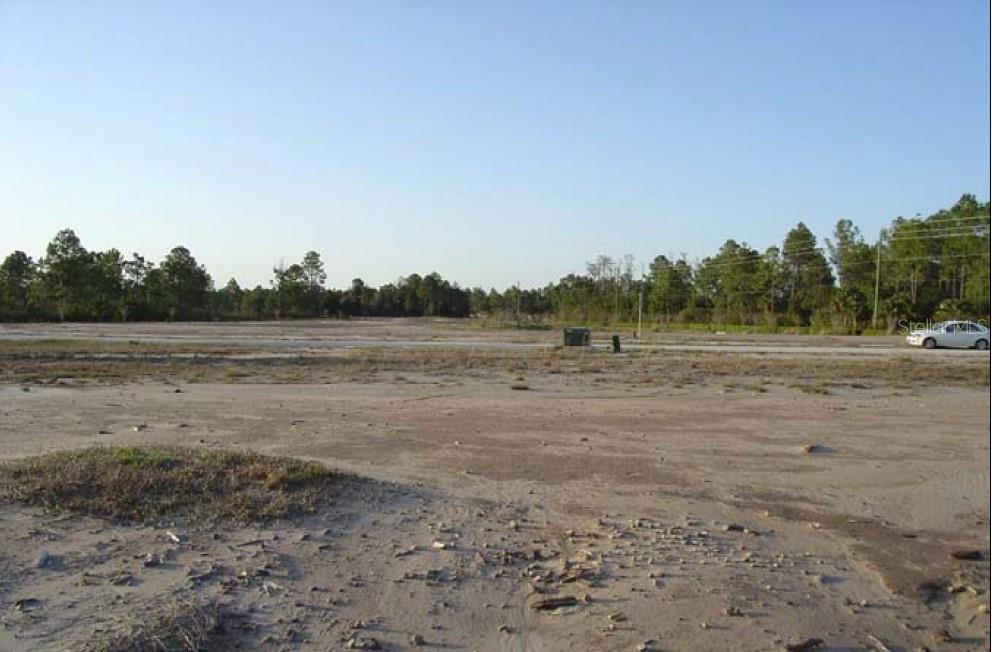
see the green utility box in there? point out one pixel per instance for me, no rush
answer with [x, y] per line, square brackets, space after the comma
[575, 336]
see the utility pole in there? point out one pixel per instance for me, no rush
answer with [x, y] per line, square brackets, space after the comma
[616, 299]
[640, 303]
[640, 300]
[878, 273]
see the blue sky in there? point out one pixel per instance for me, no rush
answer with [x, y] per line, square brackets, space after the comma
[494, 142]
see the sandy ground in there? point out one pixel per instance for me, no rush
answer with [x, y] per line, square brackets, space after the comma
[410, 332]
[680, 518]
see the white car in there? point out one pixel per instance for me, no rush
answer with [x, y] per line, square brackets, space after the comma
[954, 334]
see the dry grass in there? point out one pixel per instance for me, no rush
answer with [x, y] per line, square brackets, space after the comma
[807, 388]
[733, 385]
[69, 347]
[658, 368]
[155, 483]
[178, 627]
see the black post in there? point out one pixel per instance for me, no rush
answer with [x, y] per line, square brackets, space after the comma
[616, 344]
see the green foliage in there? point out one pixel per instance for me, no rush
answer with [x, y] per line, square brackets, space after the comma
[926, 261]
[853, 259]
[921, 264]
[807, 280]
[183, 284]
[731, 284]
[71, 283]
[850, 308]
[16, 275]
[66, 270]
[144, 457]
[671, 286]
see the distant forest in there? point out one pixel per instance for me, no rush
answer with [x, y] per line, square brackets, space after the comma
[928, 268]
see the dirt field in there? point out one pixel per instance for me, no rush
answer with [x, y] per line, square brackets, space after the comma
[687, 500]
[410, 332]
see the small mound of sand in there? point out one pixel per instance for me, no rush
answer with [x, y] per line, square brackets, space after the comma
[151, 483]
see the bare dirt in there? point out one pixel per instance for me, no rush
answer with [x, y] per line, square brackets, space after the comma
[700, 501]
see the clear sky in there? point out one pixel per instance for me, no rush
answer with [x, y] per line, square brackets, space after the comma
[494, 142]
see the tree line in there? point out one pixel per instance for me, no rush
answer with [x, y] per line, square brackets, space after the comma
[925, 268]
[72, 283]
[935, 267]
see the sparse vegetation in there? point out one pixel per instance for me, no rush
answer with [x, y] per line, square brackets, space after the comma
[180, 627]
[146, 457]
[88, 347]
[42, 367]
[808, 388]
[153, 483]
[745, 386]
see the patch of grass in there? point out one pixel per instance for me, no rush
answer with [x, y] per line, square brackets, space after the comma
[732, 385]
[179, 627]
[150, 457]
[148, 484]
[807, 388]
[294, 477]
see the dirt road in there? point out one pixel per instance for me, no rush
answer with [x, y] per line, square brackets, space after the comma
[447, 333]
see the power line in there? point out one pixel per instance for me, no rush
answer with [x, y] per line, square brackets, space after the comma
[935, 259]
[950, 227]
[933, 236]
[975, 236]
[916, 233]
[747, 293]
[948, 232]
[746, 258]
[867, 262]
[764, 292]
[948, 218]
[919, 232]
[757, 256]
